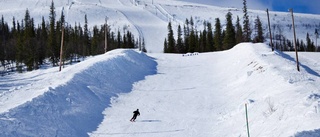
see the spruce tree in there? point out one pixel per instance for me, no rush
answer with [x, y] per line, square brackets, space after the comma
[218, 35]
[239, 32]
[171, 40]
[86, 44]
[259, 30]
[165, 46]
[310, 45]
[52, 40]
[43, 42]
[118, 39]
[2, 43]
[19, 48]
[203, 39]
[246, 23]
[210, 44]
[95, 41]
[28, 44]
[13, 41]
[144, 46]
[186, 38]
[229, 40]
[179, 40]
[192, 41]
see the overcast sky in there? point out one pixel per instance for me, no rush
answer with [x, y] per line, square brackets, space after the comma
[301, 6]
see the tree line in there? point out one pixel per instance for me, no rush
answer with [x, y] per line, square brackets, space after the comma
[281, 43]
[27, 46]
[190, 39]
[208, 40]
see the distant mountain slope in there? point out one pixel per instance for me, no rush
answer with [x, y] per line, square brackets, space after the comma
[149, 18]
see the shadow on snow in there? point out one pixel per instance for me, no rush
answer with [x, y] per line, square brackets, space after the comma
[309, 70]
[311, 133]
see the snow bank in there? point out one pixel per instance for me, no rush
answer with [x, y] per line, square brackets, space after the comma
[204, 96]
[75, 107]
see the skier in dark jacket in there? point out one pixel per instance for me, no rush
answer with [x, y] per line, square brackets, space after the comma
[135, 114]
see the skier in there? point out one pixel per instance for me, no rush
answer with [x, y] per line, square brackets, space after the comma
[135, 114]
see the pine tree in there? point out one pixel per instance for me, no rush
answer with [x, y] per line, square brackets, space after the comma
[310, 45]
[2, 39]
[28, 45]
[87, 46]
[239, 32]
[186, 38]
[119, 39]
[192, 41]
[246, 23]
[52, 40]
[218, 35]
[210, 44]
[259, 30]
[165, 46]
[229, 40]
[203, 39]
[12, 42]
[95, 41]
[179, 40]
[43, 40]
[171, 40]
[19, 48]
[144, 46]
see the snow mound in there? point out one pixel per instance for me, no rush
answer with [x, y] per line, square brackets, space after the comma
[75, 107]
[205, 95]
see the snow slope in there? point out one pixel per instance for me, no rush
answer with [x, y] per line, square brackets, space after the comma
[199, 95]
[68, 103]
[148, 19]
[204, 95]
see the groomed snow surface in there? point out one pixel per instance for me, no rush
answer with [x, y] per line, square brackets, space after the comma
[192, 95]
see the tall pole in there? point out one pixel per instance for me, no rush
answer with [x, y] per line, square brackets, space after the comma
[61, 48]
[270, 31]
[295, 42]
[247, 120]
[105, 35]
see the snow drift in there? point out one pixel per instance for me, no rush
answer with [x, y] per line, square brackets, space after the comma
[75, 107]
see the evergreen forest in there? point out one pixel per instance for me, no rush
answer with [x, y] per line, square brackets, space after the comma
[26, 46]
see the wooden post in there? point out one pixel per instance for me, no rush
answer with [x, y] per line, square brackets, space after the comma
[272, 47]
[294, 40]
[61, 48]
[105, 35]
[247, 120]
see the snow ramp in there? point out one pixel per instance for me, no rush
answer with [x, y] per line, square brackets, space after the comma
[75, 107]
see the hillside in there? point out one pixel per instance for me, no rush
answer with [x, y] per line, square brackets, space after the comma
[200, 95]
[149, 19]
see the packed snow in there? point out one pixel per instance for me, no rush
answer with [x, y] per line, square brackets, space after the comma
[196, 94]
[201, 94]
